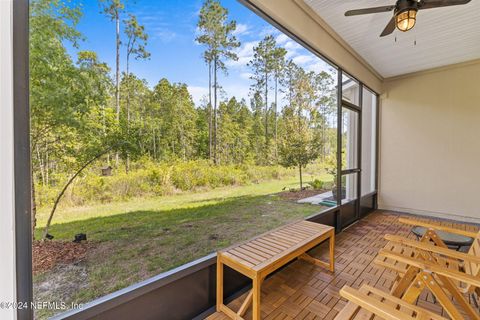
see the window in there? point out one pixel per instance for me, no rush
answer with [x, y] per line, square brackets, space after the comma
[369, 137]
[350, 90]
[349, 139]
[157, 169]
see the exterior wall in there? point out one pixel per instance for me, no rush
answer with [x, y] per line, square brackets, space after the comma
[430, 143]
[299, 19]
[7, 236]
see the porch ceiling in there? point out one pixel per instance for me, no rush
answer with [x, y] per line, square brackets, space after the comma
[443, 36]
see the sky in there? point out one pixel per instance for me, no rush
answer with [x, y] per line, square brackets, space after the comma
[171, 26]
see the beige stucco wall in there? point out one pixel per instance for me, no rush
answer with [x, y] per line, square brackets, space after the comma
[299, 19]
[430, 143]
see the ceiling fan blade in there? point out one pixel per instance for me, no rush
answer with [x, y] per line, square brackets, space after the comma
[389, 28]
[430, 4]
[369, 10]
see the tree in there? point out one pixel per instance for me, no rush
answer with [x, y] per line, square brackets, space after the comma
[89, 131]
[136, 46]
[53, 94]
[202, 139]
[278, 68]
[177, 120]
[216, 35]
[299, 144]
[263, 65]
[136, 93]
[257, 137]
[91, 147]
[113, 9]
[136, 43]
[326, 108]
[236, 121]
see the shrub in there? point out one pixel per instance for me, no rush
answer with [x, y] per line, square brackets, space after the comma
[147, 179]
[317, 184]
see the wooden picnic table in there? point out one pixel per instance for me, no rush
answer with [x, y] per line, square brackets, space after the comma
[262, 255]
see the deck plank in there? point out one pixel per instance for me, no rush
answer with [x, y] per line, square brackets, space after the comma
[305, 291]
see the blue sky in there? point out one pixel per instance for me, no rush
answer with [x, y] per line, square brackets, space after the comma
[171, 26]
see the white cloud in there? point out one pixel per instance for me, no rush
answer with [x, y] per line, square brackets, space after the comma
[241, 29]
[282, 38]
[269, 30]
[303, 59]
[292, 45]
[165, 35]
[244, 53]
[238, 91]
[198, 93]
[318, 66]
[292, 49]
[246, 75]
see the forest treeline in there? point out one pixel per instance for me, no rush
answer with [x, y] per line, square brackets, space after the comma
[86, 112]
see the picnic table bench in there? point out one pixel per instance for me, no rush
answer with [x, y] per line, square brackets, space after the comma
[262, 255]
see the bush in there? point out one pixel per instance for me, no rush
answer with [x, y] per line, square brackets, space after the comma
[148, 179]
[317, 184]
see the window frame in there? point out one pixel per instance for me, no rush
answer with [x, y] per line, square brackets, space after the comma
[21, 123]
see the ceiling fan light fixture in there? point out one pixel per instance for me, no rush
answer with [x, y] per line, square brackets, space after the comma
[405, 20]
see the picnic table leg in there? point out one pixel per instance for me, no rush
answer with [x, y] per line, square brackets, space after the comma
[219, 283]
[332, 251]
[256, 289]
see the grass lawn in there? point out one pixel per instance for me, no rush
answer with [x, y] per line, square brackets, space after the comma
[141, 238]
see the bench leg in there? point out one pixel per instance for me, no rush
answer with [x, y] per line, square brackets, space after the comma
[219, 283]
[246, 304]
[331, 265]
[257, 283]
[332, 251]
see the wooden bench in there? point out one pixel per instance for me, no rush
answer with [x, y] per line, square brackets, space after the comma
[262, 255]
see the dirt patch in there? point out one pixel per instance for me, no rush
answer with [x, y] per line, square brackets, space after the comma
[60, 284]
[49, 254]
[297, 194]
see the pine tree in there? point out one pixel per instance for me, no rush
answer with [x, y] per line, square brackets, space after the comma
[136, 46]
[299, 145]
[263, 66]
[114, 9]
[217, 36]
[136, 43]
[278, 68]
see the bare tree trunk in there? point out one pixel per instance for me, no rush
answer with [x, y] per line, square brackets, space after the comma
[104, 129]
[117, 73]
[276, 122]
[301, 178]
[210, 110]
[34, 206]
[40, 163]
[60, 195]
[154, 144]
[127, 161]
[266, 113]
[47, 168]
[215, 122]
[324, 140]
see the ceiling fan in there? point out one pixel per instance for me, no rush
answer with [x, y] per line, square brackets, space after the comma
[405, 12]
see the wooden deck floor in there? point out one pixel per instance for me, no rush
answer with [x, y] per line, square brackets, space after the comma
[304, 291]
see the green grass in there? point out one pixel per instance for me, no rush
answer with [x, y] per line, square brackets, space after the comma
[141, 238]
[185, 200]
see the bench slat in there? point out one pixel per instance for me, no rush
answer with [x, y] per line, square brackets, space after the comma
[262, 255]
[277, 244]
